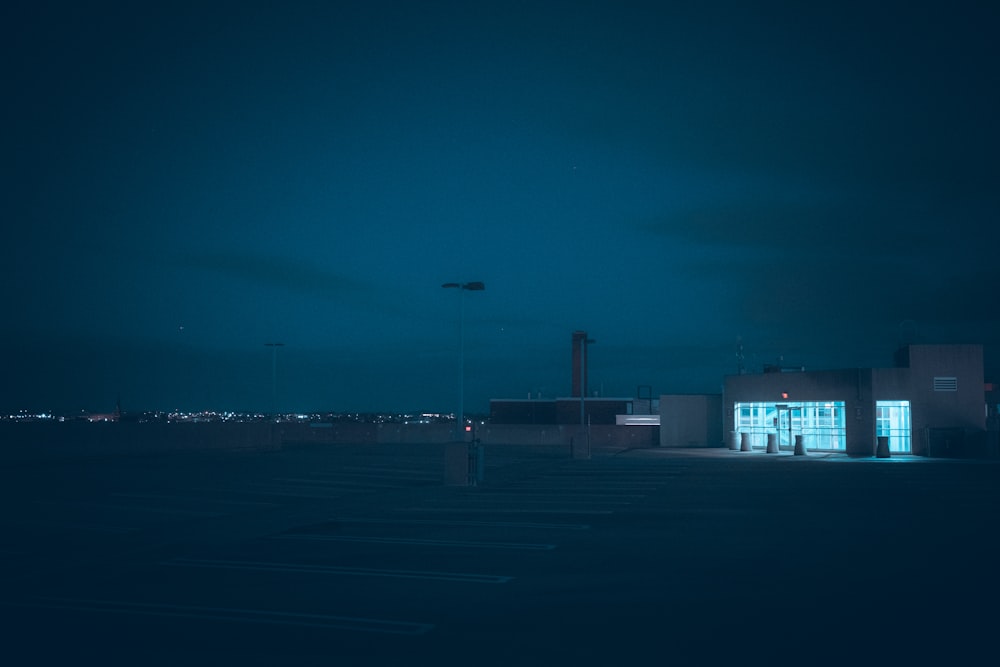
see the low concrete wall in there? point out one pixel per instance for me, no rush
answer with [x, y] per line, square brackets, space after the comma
[620, 437]
[366, 434]
[327, 433]
[43, 441]
[526, 434]
[416, 434]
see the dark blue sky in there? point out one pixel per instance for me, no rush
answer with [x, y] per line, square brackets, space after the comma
[184, 182]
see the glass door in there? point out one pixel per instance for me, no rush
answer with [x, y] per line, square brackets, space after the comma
[892, 419]
[788, 424]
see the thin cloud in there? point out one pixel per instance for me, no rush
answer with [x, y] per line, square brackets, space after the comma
[794, 227]
[290, 275]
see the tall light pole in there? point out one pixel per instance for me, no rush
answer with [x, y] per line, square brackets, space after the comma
[586, 342]
[583, 394]
[475, 286]
[274, 375]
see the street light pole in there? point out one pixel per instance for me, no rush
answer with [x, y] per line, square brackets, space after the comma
[475, 286]
[586, 342]
[274, 375]
[583, 385]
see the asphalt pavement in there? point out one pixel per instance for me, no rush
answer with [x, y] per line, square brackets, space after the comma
[360, 555]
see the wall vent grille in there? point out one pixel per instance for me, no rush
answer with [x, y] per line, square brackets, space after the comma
[945, 384]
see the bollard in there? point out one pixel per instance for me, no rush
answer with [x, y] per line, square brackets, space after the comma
[800, 448]
[477, 463]
[745, 442]
[882, 447]
[734, 440]
[772, 443]
[456, 464]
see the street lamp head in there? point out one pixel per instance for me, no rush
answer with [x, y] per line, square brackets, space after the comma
[476, 286]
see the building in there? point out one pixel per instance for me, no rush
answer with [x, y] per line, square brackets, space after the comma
[574, 410]
[932, 403]
[579, 408]
[690, 420]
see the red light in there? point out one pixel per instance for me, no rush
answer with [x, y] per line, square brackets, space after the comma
[468, 428]
[784, 394]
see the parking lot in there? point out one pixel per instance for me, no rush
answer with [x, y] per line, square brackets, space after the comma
[340, 555]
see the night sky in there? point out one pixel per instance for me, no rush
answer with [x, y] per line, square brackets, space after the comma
[185, 182]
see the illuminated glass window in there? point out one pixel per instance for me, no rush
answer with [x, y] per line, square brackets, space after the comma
[892, 419]
[820, 423]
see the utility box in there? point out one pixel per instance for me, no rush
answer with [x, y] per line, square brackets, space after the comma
[464, 463]
[456, 464]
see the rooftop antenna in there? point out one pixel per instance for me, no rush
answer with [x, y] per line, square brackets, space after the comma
[739, 356]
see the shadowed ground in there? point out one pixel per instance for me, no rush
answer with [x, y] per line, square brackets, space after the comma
[359, 555]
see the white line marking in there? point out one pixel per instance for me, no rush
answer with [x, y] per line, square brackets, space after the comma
[306, 481]
[319, 537]
[101, 528]
[536, 501]
[297, 492]
[493, 510]
[618, 476]
[380, 470]
[548, 487]
[497, 524]
[230, 614]
[157, 496]
[341, 570]
[146, 508]
[373, 483]
[4, 551]
[547, 493]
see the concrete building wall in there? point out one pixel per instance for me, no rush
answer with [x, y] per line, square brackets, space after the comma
[691, 420]
[569, 411]
[963, 408]
[953, 419]
[595, 411]
[858, 388]
[851, 386]
[530, 411]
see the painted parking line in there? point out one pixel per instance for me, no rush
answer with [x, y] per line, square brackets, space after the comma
[190, 499]
[67, 524]
[383, 470]
[338, 570]
[364, 483]
[265, 489]
[573, 487]
[469, 544]
[299, 619]
[505, 510]
[635, 474]
[532, 500]
[135, 509]
[102, 528]
[370, 474]
[456, 522]
[556, 494]
[7, 551]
